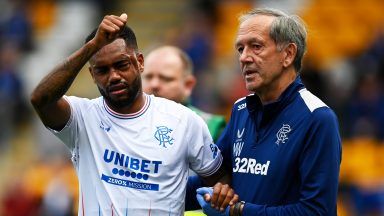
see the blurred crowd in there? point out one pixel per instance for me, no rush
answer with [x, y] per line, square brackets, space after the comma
[15, 39]
[34, 183]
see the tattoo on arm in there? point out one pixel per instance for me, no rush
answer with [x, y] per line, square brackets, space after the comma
[57, 83]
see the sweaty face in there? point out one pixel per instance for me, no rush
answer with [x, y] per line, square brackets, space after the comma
[260, 60]
[163, 76]
[115, 74]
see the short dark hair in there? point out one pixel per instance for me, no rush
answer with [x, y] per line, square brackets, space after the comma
[126, 33]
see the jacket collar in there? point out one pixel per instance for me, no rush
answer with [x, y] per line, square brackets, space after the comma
[268, 110]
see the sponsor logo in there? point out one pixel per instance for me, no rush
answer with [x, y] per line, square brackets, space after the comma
[162, 135]
[241, 106]
[250, 165]
[282, 134]
[130, 184]
[122, 160]
[214, 150]
[237, 147]
[128, 167]
[246, 165]
[105, 126]
[239, 143]
[240, 134]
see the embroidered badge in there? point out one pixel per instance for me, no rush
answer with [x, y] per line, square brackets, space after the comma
[162, 135]
[282, 134]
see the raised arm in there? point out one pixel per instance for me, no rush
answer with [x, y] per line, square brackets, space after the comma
[47, 98]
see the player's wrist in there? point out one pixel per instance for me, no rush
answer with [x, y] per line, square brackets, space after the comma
[237, 209]
[94, 45]
[231, 208]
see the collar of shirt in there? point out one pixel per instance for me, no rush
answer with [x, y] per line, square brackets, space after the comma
[264, 112]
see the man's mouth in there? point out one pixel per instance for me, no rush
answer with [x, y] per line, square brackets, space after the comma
[249, 72]
[117, 89]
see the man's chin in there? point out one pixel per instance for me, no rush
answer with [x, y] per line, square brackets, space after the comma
[120, 102]
[251, 87]
[117, 98]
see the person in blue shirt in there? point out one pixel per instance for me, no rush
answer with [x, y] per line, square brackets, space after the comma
[282, 143]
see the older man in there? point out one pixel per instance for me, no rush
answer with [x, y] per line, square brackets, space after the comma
[282, 143]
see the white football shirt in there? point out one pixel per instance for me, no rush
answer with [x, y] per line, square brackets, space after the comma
[136, 164]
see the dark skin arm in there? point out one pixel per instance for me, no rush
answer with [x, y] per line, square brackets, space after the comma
[220, 192]
[47, 97]
[223, 195]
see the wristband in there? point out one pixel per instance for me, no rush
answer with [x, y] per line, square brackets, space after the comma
[237, 208]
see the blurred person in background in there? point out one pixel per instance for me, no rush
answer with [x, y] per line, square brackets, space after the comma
[364, 140]
[15, 25]
[364, 112]
[131, 151]
[282, 143]
[15, 39]
[364, 125]
[11, 92]
[196, 38]
[168, 73]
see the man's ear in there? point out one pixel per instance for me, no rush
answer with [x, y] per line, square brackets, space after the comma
[290, 52]
[189, 83]
[140, 59]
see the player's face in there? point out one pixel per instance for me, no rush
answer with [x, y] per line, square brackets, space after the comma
[260, 60]
[163, 76]
[116, 75]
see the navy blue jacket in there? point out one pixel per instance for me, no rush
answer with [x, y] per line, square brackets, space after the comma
[284, 156]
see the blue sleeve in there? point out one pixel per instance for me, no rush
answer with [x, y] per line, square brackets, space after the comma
[319, 171]
[224, 144]
[193, 183]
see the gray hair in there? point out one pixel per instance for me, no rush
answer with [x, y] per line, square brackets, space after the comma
[285, 29]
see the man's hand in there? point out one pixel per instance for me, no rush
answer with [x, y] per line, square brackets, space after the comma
[222, 196]
[203, 193]
[109, 29]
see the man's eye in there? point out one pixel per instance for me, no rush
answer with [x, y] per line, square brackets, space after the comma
[256, 46]
[166, 79]
[123, 65]
[147, 77]
[240, 50]
[101, 70]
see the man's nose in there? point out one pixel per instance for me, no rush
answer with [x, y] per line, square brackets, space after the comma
[154, 84]
[114, 75]
[245, 56]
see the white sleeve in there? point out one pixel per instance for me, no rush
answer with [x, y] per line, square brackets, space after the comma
[204, 156]
[69, 134]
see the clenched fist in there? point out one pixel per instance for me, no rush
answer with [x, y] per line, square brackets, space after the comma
[109, 29]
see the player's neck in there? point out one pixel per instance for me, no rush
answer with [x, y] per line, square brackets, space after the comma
[137, 104]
